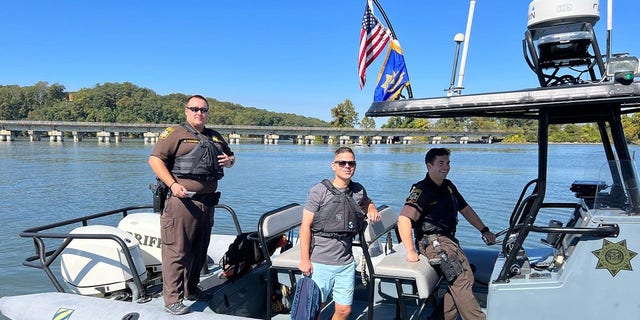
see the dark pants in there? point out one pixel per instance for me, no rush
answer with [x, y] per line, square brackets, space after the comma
[186, 231]
[459, 298]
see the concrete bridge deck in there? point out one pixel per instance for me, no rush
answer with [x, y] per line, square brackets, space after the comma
[105, 130]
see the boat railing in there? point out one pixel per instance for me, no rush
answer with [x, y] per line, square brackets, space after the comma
[515, 235]
[43, 259]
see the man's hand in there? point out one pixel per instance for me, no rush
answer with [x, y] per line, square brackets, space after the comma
[374, 216]
[306, 267]
[489, 238]
[412, 256]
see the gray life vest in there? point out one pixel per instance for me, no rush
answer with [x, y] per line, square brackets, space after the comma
[201, 163]
[340, 216]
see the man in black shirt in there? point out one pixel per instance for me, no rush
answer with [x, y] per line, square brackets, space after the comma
[431, 210]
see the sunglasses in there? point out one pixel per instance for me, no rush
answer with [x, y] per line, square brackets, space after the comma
[196, 109]
[344, 163]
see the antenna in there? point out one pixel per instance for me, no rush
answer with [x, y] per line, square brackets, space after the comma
[609, 27]
[458, 39]
[467, 35]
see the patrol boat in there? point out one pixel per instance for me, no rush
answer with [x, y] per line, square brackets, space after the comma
[586, 269]
[588, 266]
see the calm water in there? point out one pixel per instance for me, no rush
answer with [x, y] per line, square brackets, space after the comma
[42, 182]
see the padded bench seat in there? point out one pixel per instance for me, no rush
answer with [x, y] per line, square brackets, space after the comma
[394, 266]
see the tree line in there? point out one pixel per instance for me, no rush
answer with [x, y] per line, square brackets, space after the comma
[128, 103]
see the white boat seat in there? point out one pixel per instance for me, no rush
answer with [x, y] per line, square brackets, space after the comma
[287, 261]
[395, 277]
[395, 265]
[273, 224]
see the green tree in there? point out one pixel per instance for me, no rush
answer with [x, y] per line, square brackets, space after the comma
[367, 123]
[344, 115]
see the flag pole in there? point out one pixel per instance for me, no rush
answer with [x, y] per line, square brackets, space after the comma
[393, 35]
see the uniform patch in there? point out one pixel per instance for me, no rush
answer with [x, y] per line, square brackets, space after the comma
[414, 195]
[614, 256]
[164, 134]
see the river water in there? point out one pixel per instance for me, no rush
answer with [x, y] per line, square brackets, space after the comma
[42, 182]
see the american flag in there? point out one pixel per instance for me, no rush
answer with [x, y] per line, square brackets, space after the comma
[373, 39]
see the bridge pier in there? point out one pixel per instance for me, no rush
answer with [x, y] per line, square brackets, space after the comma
[407, 140]
[5, 135]
[306, 139]
[150, 137]
[234, 138]
[331, 139]
[376, 140]
[487, 139]
[271, 139]
[33, 135]
[463, 140]
[345, 140]
[103, 137]
[77, 136]
[436, 140]
[55, 136]
[389, 140]
[117, 136]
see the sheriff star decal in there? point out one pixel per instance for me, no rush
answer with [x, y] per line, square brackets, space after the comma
[614, 256]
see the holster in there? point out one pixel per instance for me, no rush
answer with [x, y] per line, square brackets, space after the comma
[159, 191]
[450, 266]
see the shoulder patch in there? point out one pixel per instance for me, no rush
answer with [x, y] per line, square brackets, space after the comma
[414, 195]
[164, 134]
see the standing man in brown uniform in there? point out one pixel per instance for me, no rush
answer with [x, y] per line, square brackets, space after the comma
[432, 211]
[189, 159]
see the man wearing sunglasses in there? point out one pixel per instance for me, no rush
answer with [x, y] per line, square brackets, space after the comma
[326, 253]
[189, 160]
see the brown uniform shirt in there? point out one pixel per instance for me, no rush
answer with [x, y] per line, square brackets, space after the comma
[177, 141]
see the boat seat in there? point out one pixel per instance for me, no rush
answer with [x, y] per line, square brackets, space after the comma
[274, 224]
[393, 276]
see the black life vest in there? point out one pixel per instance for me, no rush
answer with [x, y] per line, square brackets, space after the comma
[340, 215]
[201, 163]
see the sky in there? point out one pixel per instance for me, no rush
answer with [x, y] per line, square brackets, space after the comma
[287, 56]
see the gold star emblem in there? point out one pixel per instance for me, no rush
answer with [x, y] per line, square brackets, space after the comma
[614, 256]
[392, 79]
[164, 134]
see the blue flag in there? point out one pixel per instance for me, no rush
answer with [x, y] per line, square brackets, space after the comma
[393, 76]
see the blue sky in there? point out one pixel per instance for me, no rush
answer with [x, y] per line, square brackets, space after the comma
[284, 56]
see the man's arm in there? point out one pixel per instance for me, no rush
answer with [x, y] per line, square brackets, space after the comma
[305, 243]
[404, 228]
[473, 218]
[163, 173]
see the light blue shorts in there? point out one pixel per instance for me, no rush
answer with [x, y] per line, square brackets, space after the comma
[339, 280]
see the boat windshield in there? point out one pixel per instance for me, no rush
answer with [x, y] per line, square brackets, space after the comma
[612, 189]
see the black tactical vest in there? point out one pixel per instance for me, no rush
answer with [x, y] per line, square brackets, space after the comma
[340, 216]
[201, 163]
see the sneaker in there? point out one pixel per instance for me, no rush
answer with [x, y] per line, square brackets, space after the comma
[199, 295]
[177, 308]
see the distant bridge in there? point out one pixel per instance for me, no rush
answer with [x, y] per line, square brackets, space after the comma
[271, 134]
